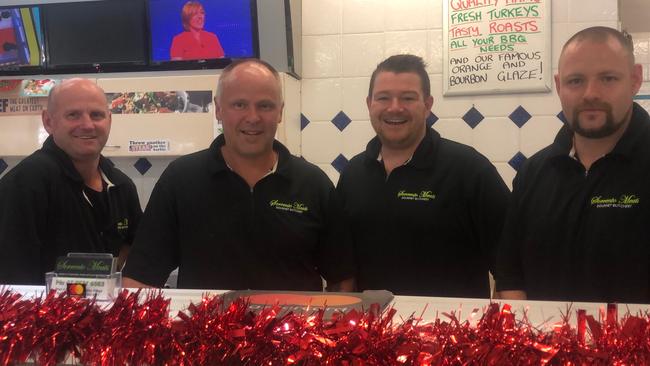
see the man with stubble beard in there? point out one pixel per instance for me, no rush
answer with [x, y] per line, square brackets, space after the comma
[577, 228]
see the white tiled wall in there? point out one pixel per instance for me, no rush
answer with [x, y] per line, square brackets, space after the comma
[343, 41]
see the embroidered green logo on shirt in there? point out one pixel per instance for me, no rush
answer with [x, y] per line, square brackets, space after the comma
[415, 196]
[624, 201]
[123, 225]
[297, 207]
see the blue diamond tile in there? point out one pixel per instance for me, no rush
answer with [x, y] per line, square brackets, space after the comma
[341, 121]
[473, 117]
[561, 117]
[340, 163]
[517, 161]
[431, 119]
[3, 166]
[304, 121]
[142, 165]
[520, 116]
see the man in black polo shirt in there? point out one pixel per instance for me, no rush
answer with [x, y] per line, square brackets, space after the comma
[66, 197]
[578, 228]
[245, 213]
[425, 212]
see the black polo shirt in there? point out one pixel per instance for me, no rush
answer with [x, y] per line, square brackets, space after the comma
[45, 213]
[430, 227]
[579, 235]
[283, 234]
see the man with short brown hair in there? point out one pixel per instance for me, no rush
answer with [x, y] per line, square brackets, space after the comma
[425, 212]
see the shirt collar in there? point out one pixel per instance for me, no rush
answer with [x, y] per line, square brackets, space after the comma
[105, 165]
[218, 164]
[422, 158]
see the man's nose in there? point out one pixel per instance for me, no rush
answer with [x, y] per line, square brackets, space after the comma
[395, 104]
[253, 115]
[87, 122]
[593, 90]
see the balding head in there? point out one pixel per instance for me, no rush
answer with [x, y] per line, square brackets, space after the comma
[80, 84]
[258, 64]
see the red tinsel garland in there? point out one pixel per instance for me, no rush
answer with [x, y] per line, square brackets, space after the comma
[209, 333]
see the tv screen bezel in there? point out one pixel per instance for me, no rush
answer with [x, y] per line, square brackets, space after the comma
[28, 69]
[96, 67]
[217, 63]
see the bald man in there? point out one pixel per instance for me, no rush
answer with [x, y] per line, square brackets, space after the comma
[65, 197]
[244, 213]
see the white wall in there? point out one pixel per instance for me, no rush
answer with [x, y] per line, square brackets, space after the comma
[343, 40]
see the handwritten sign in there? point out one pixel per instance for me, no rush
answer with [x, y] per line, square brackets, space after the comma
[496, 46]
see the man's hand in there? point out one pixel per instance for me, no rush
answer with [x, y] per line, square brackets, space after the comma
[511, 295]
[348, 285]
[128, 282]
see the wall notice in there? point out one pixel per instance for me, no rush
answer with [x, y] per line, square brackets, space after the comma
[140, 146]
[23, 97]
[496, 46]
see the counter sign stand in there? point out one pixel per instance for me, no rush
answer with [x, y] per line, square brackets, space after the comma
[91, 275]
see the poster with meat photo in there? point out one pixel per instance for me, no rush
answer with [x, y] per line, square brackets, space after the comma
[195, 101]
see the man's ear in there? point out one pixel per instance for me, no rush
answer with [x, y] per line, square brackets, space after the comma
[217, 109]
[281, 112]
[428, 102]
[637, 77]
[47, 121]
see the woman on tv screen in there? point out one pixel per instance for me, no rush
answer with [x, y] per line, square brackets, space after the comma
[195, 43]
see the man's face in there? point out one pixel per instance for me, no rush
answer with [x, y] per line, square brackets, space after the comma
[250, 109]
[79, 121]
[596, 82]
[398, 109]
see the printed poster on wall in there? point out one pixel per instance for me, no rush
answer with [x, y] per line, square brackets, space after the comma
[24, 97]
[496, 46]
[192, 101]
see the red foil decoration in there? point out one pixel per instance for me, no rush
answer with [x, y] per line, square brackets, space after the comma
[137, 330]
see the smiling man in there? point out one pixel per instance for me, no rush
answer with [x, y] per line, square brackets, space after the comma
[66, 197]
[577, 228]
[245, 213]
[425, 212]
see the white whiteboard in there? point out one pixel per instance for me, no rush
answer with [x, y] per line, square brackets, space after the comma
[496, 46]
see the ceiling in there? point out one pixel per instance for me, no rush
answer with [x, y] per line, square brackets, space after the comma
[634, 15]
